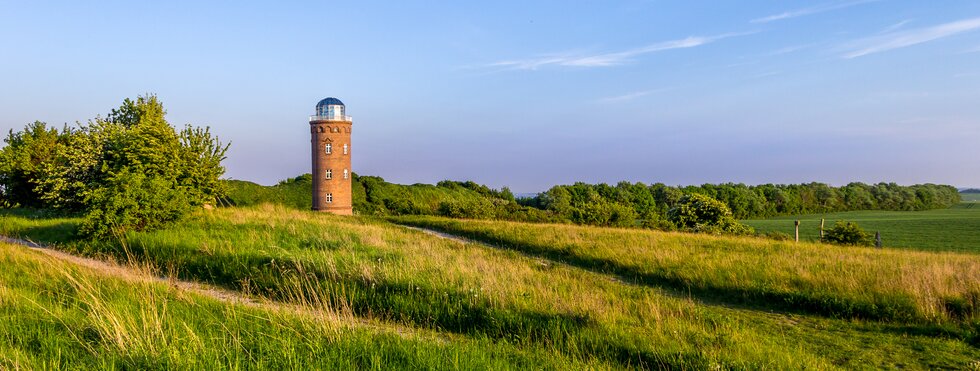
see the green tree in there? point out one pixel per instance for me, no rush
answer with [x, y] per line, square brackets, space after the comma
[23, 162]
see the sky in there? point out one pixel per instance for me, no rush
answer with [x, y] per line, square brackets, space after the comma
[529, 94]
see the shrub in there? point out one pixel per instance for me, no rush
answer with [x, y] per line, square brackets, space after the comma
[699, 213]
[847, 233]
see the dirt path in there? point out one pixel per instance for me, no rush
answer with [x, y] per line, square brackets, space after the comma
[136, 274]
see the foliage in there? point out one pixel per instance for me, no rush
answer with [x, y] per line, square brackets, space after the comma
[83, 169]
[134, 201]
[847, 233]
[23, 162]
[699, 213]
[651, 202]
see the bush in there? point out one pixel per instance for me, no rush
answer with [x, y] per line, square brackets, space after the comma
[699, 213]
[847, 233]
[133, 201]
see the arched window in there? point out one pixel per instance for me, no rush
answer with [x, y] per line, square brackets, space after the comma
[345, 148]
[328, 148]
[329, 174]
[329, 198]
[346, 173]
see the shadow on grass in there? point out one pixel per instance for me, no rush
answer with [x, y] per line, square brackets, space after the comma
[38, 226]
[886, 309]
[445, 309]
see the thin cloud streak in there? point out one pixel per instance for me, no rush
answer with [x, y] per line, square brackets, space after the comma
[809, 11]
[630, 96]
[897, 40]
[608, 59]
[895, 26]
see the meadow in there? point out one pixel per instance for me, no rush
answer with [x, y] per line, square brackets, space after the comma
[970, 197]
[552, 310]
[57, 315]
[953, 229]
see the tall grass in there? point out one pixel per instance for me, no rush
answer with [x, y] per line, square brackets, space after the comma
[379, 272]
[56, 315]
[851, 282]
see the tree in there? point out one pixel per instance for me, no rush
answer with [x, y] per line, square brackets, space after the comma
[129, 171]
[23, 162]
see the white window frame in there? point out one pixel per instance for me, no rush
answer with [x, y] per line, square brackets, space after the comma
[329, 198]
[328, 148]
[346, 174]
[329, 174]
[345, 148]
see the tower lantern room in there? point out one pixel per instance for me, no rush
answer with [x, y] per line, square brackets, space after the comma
[330, 129]
[330, 109]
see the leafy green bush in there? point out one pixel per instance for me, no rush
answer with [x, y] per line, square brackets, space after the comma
[133, 201]
[699, 213]
[847, 233]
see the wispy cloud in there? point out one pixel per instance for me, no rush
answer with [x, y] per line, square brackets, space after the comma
[607, 59]
[811, 10]
[896, 26]
[902, 39]
[630, 96]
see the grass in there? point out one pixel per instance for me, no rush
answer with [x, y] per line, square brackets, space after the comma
[59, 316]
[970, 197]
[954, 229]
[532, 306]
[847, 282]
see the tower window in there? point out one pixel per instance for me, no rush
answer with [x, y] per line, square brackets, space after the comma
[329, 198]
[345, 148]
[329, 174]
[346, 173]
[328, 148]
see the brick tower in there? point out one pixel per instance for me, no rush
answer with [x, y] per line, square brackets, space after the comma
[330, 131]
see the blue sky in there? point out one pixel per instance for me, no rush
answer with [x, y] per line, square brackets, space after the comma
[530, 94]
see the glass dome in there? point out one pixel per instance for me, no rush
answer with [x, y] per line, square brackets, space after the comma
[330, 108]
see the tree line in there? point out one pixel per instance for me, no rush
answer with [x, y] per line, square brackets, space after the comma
[603, 204]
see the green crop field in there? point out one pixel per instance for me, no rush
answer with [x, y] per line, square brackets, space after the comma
[549, 297]
[953, 229]
[970, 197]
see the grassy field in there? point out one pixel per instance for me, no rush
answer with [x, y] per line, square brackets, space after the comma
[543, 310]
[59, 316]
[953, 229]
[970, 197]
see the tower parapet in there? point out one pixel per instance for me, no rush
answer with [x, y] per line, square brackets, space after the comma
[330, 130]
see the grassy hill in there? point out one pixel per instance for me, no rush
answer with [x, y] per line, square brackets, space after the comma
[60, 316]
[953, 229]
[555, 296]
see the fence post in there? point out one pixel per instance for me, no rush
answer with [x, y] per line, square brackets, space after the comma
[797, 231]
[878, 239]
[821, 229]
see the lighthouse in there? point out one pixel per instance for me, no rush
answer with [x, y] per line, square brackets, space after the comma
[330, 137]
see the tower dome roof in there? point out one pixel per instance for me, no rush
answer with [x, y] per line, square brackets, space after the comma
[329, 101]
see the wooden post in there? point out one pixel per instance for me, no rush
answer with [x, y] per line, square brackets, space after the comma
[797, 231]
[878, 239]
[821, 229]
